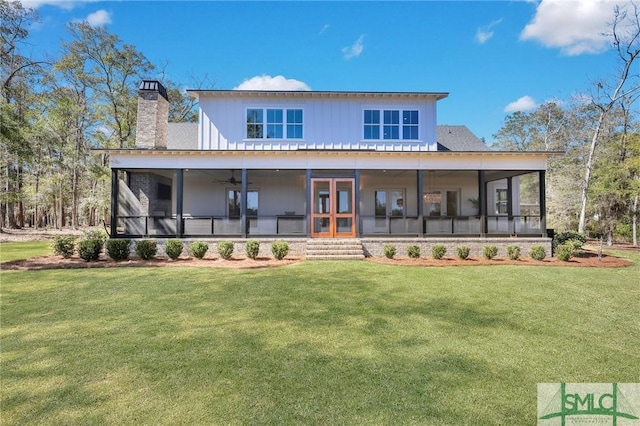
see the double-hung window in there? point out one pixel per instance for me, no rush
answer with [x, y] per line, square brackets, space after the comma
[391, 124]
[274, 123]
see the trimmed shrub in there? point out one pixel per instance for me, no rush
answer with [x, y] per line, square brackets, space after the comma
[198, 249]
[463, 252]
[64, 246]
[279, 249]
[174, 248]
[489, 252]
[389, 251]
[146, 249]
[438, 251]
[413, 252]
[89, 249]
[565, 251]
[252, 248]
[95, 234]
[538, 252]
[576, 238]
[225, 249]
[118, 249]
[513, 252]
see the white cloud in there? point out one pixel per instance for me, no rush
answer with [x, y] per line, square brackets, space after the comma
[99, 18]
[484, 33]
[325, 28]
[266, 82]
[576, 27]
[64, 4]
[525, 103]
[354, 50]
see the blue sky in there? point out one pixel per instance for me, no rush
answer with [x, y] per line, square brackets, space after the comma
[492, 57]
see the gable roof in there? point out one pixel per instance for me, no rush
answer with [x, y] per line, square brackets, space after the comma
[184, 136]
[459, 138]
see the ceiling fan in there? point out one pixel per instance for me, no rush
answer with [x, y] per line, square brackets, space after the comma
[232, 180]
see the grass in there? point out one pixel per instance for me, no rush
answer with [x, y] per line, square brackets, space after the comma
[23, 250]
[311, 343]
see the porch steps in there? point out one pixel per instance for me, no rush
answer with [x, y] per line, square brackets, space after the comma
[334, 249]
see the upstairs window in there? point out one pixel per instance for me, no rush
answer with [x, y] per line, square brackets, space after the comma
[390, 127]
[371, 124]
[269, 123]
[254, 124]
[410, 125]
[294, 124]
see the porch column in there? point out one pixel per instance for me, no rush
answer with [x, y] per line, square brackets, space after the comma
[115, 189]
[420, 186]
[543, 202]
[243, 203]
[179, 201]
[357, 201]
[482, 202]
[308, 212]
[510, 218]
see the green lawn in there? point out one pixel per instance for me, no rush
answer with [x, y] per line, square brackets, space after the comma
[311, 343]
[23, 250]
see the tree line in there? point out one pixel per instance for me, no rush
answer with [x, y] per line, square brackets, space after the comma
[53, 111]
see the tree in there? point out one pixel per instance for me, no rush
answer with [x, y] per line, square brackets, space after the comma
[18, 74]
[625, 32]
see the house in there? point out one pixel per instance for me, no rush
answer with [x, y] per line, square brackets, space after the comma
[301, 165]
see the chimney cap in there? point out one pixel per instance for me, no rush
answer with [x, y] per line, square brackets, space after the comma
[153, 86]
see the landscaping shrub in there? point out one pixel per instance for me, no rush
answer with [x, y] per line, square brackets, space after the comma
[576, 238]
[225, 249]
[279, 249]
[413, 252]
[438, 251]
[89, 248]
[118, 249]
[389, 251]
[174, 248]
[64, 246]
[146, 249]
[198, 249]
[463, 252]
[513, 252]
[565, 251]
[489, 252]
[95, 234]
[252, 248]
[538, 252]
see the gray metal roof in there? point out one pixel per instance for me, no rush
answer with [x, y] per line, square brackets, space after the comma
[450, 138]
[182, 136]
[459, 138]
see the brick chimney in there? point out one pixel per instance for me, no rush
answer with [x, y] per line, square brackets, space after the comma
[153, 115]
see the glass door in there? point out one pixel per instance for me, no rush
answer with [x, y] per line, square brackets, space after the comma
[332, 208]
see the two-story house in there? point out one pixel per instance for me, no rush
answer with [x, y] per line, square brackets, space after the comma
[308, 164]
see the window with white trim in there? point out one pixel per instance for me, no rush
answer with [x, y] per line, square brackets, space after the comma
[389, 128]
[279, 123]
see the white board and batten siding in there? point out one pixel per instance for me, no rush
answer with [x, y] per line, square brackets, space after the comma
[330, 121]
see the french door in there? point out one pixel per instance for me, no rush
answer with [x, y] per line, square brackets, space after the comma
[332, 208]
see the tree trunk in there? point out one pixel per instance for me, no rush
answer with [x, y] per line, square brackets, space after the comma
[587, 172]
[634, 219]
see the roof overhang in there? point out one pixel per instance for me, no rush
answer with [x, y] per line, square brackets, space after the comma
[312, 94]
[335, 159]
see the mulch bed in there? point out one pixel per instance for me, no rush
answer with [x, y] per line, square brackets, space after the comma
[588, 259]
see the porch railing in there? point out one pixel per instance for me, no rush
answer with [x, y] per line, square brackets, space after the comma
[296, 225]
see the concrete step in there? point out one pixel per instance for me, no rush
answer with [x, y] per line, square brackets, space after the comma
[334, 249]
